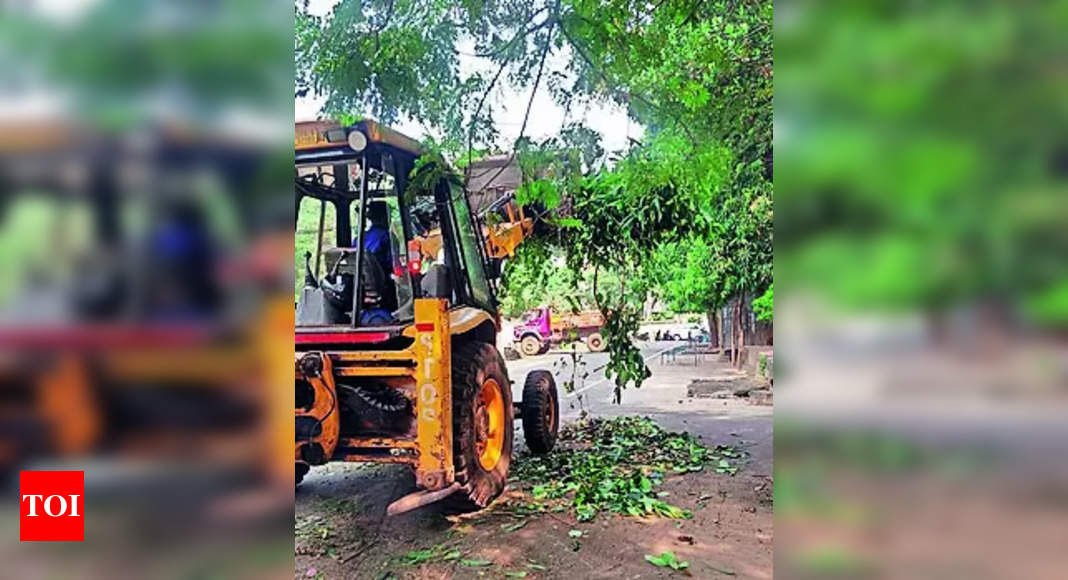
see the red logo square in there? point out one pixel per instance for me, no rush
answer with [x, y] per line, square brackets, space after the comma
[51, 506]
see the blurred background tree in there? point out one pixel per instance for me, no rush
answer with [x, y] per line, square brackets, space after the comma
[194, 62]
[922, 158]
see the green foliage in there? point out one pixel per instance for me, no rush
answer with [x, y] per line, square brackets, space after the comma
[440, 553]
[664, 218]
[764, 305]
[306, 236]
[198, 58]
[538, 276]
[689, 277]
[615, 465]
[385, 59]
[430, 169]
[923, 183]
[667, 560]
[1050, 306]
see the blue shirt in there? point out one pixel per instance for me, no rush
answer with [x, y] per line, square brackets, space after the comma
[376, 241]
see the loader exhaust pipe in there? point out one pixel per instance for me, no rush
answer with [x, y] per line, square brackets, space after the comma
[419, 499]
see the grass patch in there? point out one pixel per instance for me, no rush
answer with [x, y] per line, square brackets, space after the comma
[615, 465]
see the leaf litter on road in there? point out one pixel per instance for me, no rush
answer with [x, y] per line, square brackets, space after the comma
[667, 560]
[439, 553]
[615, 464]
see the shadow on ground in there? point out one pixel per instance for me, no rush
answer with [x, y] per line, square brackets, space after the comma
[342, 532]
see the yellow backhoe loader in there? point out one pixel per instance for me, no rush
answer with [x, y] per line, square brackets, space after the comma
[396, 324]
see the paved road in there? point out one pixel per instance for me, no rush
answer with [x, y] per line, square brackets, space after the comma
[594, 385]
[662, 397]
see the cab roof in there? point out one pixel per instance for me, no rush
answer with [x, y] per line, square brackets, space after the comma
[327, 140]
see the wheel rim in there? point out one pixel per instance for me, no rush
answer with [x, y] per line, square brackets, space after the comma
[550, 415]
[489, 424]
[530, 346]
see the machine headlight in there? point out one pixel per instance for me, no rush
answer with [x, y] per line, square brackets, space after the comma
[358, 141]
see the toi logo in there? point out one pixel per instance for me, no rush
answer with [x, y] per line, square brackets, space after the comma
[51, 506]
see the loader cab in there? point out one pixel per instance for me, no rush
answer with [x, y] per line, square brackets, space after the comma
[143, 235]
[364, 244]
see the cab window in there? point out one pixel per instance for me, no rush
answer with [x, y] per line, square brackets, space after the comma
[470, 250]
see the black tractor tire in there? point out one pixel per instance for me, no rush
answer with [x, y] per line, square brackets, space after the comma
[301, 470]
[473, 364]
[541, 411]
[595, 342]
[530, 345]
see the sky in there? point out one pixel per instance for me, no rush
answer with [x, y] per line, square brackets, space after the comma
[509, 105]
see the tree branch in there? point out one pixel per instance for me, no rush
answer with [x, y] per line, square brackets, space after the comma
[530, 102]
[521, 34]
[385, 22]
[604, 77]
[478, 109]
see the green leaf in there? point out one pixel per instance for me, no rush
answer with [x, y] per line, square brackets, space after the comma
[667, 560]
[418, 556]
[475, 563]
[513, 527]
[663, 560]
[575, 534]
[567, 222]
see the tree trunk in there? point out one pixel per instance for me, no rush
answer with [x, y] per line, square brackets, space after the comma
[713, 327]
[736, 346]
[738, 333]
[743, 323]
[740, 314]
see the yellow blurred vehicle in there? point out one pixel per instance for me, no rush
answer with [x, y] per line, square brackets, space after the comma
[396, 323]
[120, 334]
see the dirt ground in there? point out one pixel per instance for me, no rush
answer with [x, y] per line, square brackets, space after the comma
[342, 530]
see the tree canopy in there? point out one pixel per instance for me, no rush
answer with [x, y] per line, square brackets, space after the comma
[696, 75]
[922, 157]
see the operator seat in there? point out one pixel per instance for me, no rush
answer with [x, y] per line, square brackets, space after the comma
[329, 300]
[434, 284]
